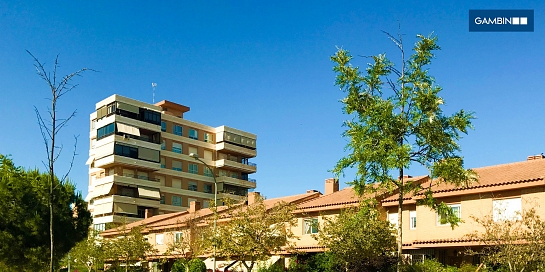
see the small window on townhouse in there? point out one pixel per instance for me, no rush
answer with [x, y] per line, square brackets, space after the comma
[393, 219]
[159, 239]
[310, 225]
[193, 168]
[177, 148]
[192, 186]
[163, 126]
[507, 209]
[412, 219]
[178, 237]
[176, 201]
[193, 134]
[207, 172]
[162, 201]
[177, 130]
[456, 208]
[208, 137]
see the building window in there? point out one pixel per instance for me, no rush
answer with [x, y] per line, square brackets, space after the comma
[192, 186]
[208, 188]
[206, 204]
[310, 225]
[178, 237]
[234, 175]
[207, 172]
[163, 126]
[163, 164]
[393, 219]
[163, 145]
[177, 148]
[208, 137]
[111, 108]
[105, 131]
[507, 209]
[162, 201]
[177, 165]
[176, 201]
[456, 208]
[159, 239]
[193, 168]
[193, 134]
[126, 151]
[412, 219]
[152, 117]
[177, 130]
[100, 227]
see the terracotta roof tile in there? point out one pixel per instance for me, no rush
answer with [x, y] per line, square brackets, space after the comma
[172, 219]
[494, 176]
[344, 197]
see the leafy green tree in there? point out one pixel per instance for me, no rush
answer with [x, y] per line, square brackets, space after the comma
[250, 233]
[24, 217]
[359, 239]
[197, 265]
[192, 242]
[397, 122]
[517, 244]
[129, 247]
[88, 253]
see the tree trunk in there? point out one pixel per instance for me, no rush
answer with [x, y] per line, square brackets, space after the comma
[52, 174]
[400, 223]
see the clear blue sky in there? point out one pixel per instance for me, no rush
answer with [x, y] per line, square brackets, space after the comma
[263, 67]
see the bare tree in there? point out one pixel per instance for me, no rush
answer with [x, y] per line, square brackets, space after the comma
[51, 125]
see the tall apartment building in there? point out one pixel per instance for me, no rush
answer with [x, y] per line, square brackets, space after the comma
[139, 163]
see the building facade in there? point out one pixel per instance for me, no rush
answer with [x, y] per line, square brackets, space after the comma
[140, 163]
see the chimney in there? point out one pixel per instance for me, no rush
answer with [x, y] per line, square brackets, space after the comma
[253, 197]
[536, 157]
[331, 186]
[194, 206]
[148, 213]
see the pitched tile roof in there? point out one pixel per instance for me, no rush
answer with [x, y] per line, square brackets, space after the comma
[492, 178]
[340, 199]
[171, 220]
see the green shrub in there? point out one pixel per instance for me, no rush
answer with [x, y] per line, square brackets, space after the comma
[272, 268]
[197, 265]
[178, 266]
[430, 265]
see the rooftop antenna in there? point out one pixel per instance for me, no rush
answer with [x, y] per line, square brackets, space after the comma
[153, 85]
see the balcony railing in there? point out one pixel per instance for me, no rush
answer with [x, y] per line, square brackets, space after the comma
[140, 177]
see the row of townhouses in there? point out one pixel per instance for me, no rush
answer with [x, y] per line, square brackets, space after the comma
[156, 183]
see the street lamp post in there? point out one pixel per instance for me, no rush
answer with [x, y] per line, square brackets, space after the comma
[196, 157]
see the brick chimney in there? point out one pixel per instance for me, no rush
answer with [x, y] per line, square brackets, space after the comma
[331, 186]
[148, 213]
[253, 197]
[194, 206]
[536, 157]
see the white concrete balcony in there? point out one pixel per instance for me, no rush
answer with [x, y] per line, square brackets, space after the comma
[113, 160]
[128, 180]
[251, 183]
[231, 148]
[229, 164]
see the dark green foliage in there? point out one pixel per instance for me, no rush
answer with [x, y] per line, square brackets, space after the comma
[24, 217]
[358, 239]
[431, 265]
[197, 265]
[179, 266]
